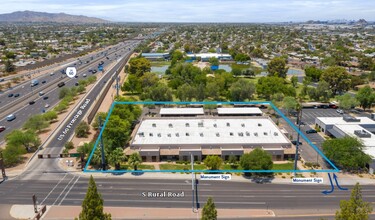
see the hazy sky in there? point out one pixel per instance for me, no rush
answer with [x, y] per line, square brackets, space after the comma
[202, 10]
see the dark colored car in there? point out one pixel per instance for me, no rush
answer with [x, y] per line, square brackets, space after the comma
[16, 95]
[61, 84]
[45, 97]
[10, 95]
[311, 131]
[76, 84]
[32, 102]
[44, 81]
[295, 142]
[2, 128]
[94, 71]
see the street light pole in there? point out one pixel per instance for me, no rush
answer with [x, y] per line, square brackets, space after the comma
[192, 181]
[102, 144]
[299, 117]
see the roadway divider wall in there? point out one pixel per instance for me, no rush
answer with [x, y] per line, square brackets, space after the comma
[94, 109]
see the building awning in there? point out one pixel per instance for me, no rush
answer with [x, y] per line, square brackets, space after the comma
[334, 133]
[211, 152]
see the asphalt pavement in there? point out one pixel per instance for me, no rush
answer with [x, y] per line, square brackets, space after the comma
[67, 189]
[25, 110]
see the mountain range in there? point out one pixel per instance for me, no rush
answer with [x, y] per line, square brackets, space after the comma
[32, 16]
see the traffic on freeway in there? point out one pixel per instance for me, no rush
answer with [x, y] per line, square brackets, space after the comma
[36, 103]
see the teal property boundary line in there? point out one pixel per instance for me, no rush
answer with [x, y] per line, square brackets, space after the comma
[335, 169]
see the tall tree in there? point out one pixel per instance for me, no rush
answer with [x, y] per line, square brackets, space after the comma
[257, 159]
[209, 211]
[267, 86]
[347, 101]
[347, 153]
[366, 63]
[116, 157]
[139, 66]
[337, 78]
[366, 97]
[213, 162]
[92, 205]
[313, 72]
[294, 81]
[135, 160]
[289, 103]
[277, 67]
[354, 208]
[9, 67]
[242, 90]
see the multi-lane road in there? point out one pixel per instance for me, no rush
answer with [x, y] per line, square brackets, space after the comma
[20, 107]
[284, 200]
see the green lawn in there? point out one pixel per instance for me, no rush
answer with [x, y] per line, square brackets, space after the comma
[181, 167]
[285, 166]
[160, 63]
[146, 167]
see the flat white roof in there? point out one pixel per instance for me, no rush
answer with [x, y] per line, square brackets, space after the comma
[340, 120]
[208, 131]
[209, 55]
[368, 142]
[238, 111]
[181, 111]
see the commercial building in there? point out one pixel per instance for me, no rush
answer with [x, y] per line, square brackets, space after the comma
[205, 57]
[156, 56]
[176, 138]
[362, 128]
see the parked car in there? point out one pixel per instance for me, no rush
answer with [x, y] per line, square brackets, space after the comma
[41, 93]
[295, 142]
[44, 81]
[94, 71]
[311, 131]
[46, 106]
[51, 74]
[84, 75]
[76, 84]
[2, 128]
[340, 111]
[10, 95]
[16, 95]
[45, 97]
[11, 117]
[32, 102]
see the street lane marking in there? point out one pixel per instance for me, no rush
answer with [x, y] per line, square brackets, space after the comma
[63, 190]
[69, 190]
[53, 189]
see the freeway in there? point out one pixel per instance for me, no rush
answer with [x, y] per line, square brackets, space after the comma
[62, 134]
[68, 189]
[23, 110]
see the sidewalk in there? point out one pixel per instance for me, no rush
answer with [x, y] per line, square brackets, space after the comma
[70, 212]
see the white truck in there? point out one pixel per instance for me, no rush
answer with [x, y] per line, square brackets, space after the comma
[34, 82]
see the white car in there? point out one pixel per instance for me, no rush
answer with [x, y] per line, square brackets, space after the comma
[46, 106]
[340, 111]
[84, 75]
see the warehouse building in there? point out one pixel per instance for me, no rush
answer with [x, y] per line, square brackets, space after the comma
[177, 138]
[361, 127]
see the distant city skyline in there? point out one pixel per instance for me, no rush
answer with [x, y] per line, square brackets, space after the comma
[202, 10]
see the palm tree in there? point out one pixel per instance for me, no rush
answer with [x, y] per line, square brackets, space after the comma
[116, 157]
[135, 160]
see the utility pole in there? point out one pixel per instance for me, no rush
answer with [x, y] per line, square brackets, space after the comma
[299, 118]
[102, 144]
[192, 181]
